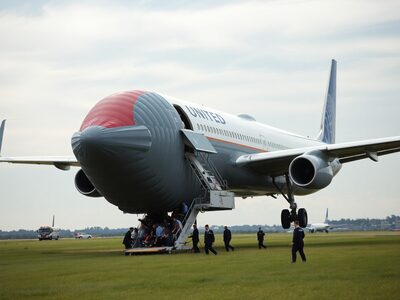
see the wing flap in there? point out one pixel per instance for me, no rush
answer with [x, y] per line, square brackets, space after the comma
[343, 150]
[277, 162]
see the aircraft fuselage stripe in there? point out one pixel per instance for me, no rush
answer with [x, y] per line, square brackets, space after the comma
[236, 144]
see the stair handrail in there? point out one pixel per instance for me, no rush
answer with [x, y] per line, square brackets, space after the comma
[188, 213]
[204, 183]
[206, 159]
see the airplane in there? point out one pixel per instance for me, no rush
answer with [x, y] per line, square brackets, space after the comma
[140, 150]
[321, 227]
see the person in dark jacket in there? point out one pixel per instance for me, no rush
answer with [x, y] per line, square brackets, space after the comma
[195, 239]
[209, 239]
[227, 239]
[260, 238]
[298, 244]
[128, 239]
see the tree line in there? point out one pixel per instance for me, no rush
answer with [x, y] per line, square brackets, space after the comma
[389, 223]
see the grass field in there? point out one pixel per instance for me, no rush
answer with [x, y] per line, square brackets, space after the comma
[340, 266]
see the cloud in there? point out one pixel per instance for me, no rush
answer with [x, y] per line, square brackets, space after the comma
[267, 58]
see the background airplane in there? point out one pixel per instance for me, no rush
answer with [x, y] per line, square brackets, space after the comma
[148, 153]
[321, 227]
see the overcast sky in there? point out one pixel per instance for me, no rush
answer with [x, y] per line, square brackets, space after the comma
[266, 58]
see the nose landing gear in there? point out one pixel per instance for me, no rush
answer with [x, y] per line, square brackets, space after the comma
[287, 216]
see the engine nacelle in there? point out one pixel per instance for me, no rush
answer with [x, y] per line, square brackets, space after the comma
[313, 170]
[84, 186]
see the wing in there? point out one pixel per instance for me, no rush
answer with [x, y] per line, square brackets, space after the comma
[61, 162]
[277, 162]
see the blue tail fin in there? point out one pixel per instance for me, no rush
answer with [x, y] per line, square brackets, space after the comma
[326, 217]
[328, 121]
[3, 124]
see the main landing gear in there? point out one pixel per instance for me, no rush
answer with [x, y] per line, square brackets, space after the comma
[287, 216]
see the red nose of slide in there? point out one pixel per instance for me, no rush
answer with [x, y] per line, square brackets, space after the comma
[113, 111]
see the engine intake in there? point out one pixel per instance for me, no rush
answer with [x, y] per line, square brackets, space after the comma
[313, 170]
[84, 186]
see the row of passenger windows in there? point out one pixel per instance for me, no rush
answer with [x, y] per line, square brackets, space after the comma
[238, 136]
[228, 133]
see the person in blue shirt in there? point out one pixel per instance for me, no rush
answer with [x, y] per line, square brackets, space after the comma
[159, 235]
[298, 244]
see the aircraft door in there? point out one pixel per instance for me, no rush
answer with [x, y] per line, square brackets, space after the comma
[186, 121]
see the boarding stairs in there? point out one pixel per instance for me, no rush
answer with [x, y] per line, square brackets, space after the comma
[205, 171]
[215, 196]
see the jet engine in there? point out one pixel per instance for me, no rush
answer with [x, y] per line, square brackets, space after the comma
[313, 170]
[84, 186]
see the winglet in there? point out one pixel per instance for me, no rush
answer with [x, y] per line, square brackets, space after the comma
[3, 124]
[328, 121]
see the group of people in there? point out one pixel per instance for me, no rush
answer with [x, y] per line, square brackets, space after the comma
[297, 241]
[164, 233]
[153, 231]
[209, 239]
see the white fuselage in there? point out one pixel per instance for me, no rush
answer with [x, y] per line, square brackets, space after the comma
[235, 136]
[319, 227]
[240, 131]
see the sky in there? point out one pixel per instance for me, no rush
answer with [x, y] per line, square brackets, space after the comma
[267, 58]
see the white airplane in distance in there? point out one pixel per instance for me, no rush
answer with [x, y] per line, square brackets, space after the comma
[320, 227]
[149, 153]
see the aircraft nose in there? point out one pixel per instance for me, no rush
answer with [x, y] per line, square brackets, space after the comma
[96, 142]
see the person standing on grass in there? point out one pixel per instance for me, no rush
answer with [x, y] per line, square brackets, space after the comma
[298, 243]
[128, 239]
[209, 239]
[260, 238]
[195, 239]
[227, 239]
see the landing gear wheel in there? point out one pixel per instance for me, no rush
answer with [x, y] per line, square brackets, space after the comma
[302, 217]
[286, 218]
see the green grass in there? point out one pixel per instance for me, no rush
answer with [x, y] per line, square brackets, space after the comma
[340, 266]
